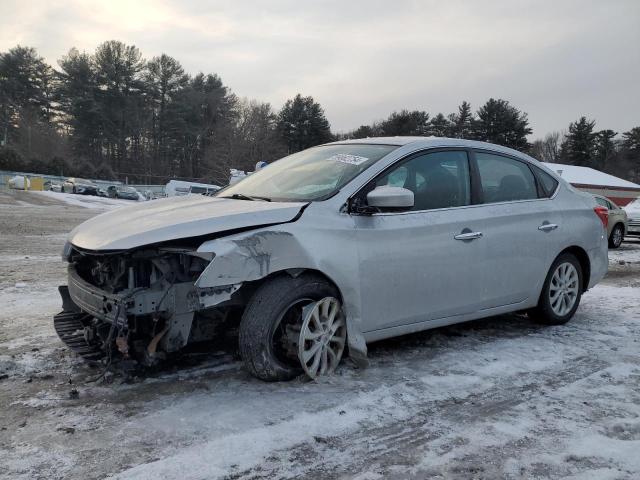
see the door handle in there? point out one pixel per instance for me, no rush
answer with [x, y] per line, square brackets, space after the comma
[468, 236]
[547, 227]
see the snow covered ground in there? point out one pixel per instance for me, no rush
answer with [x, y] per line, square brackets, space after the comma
[497, 398]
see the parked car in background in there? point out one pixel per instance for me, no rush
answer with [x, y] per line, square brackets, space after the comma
[633, 218]
[80, 186]
[339, 245]
[53, 186]
[198, 190]
[177, 188]
[617, 226]
[123, 191]
[153, 195]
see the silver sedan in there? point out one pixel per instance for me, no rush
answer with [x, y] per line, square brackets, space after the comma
[339, 245]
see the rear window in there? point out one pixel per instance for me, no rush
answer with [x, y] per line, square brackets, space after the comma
[504, 179]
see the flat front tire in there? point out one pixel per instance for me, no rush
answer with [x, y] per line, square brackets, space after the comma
[271, 323]
[561, 292]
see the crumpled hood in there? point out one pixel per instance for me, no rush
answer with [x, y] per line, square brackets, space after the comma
[175, 218]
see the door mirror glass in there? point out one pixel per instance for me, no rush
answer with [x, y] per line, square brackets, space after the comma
[387, 197]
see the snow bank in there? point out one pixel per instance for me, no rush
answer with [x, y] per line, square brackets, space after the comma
[87, 201]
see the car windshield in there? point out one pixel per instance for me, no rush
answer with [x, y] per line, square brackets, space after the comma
[313, 174]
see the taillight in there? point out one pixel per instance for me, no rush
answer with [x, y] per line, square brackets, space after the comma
[603, 214]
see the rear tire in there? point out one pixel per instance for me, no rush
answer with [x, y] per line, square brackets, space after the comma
[561, 292]
[271, 312]
[616, 237]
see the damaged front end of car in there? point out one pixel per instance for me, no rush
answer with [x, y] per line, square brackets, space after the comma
[142, 304]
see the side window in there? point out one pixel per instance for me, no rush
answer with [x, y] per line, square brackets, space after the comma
[437, 180]
[603, 202]
[549, 184]
[504, 179]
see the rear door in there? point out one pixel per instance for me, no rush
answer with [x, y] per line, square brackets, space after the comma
[616, 215]
[520, 227]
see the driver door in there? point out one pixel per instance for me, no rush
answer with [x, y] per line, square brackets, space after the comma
[414, 265]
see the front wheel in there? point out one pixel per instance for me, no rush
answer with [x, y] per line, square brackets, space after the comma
[616, 237]
[272, 323]
[561, 292]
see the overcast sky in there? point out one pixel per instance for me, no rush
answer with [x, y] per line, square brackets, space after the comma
[556, 59]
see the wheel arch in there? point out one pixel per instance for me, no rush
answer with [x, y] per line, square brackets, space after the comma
[248, 288]
[249, 259]
[585, 263]
[624, 228]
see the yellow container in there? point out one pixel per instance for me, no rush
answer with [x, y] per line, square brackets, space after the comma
[37, 183]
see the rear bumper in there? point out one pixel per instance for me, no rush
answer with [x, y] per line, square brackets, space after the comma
[599, 263]
[633, 228]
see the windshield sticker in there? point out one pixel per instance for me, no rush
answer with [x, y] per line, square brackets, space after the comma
[346, 158]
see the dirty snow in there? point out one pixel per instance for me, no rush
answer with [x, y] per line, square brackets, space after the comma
[496, 398]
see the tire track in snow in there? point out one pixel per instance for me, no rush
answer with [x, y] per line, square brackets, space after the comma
[391, 444]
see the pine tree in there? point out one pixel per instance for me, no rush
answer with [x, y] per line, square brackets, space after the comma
[363, 131]
[500, 123]
[578, 147]
[120, 99]
[165, 79]
[405, 122]
[605, 149]
[440, 126]
[462, 122]
[631, 151]
[76, 95]
[204, 111]
[302, 124]
[25, 91]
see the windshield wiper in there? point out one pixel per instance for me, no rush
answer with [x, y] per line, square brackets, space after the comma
[242, 196]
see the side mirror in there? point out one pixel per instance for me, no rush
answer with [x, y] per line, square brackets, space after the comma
[390, 197]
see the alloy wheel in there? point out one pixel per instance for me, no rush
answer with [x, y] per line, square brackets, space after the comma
[563, 289]
[322, 337]
[617, 236]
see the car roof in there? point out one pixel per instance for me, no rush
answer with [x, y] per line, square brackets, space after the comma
[429, 142]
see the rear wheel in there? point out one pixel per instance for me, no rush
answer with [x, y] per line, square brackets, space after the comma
[616, 237]
[272, 321]
[561, 292]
